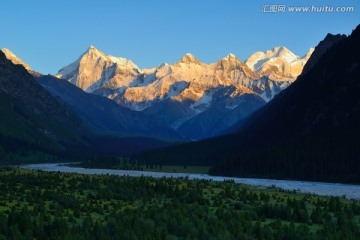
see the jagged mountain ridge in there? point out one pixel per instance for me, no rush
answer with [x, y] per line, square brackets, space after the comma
[278, 63]
[194, 99]
[188, 85]
[309, 131]
[121, 80]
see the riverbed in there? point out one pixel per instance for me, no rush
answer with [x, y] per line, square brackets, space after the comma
[320, 188]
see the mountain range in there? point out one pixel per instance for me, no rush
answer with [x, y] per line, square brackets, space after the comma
[194, 99]
[276, 127]
[43, 117]
[188, 100]
[309, 131]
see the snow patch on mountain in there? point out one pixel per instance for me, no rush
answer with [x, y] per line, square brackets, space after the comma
[204, 102]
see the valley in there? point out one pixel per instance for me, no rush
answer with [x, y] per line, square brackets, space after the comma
[188, 120]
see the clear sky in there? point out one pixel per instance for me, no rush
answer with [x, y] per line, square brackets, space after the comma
[51, 34]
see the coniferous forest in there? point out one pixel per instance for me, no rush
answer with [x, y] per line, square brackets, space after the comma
[47, 205]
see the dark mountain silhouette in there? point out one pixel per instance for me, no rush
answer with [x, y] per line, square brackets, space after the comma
[31, 119]
[309, 131]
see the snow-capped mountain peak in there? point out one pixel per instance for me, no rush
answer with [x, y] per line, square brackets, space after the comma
[257, 59]
[95, 69]
[94, 52]
[188, 58]
[230, 62]
[230, 57]
[280, 51]
[15, 59]
[278, 63]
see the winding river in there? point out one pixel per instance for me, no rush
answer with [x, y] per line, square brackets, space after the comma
[320, 188]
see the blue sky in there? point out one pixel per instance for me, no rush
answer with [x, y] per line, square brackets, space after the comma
[51, 34]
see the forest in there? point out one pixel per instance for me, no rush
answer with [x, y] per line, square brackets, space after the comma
[48, 205]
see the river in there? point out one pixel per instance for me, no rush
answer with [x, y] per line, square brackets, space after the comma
[320, 188]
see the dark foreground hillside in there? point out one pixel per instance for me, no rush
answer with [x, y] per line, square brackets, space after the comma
[38, 126]
[31, 120]
[309, 131]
